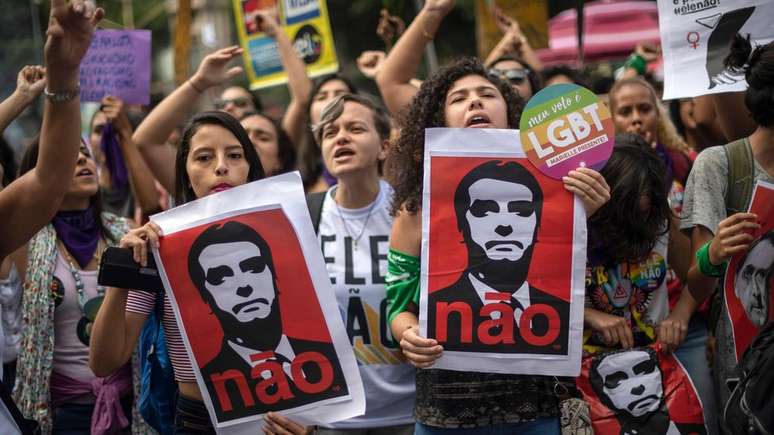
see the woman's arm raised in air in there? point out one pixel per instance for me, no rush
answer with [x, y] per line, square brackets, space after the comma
[299, 86]
[151, 135]
[30, 202]
[29, 85]
[400, 67]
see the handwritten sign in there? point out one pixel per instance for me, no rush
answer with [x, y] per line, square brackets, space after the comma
[117, 63]
[564, 127]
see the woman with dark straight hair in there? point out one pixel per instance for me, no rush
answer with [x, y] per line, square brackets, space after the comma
[215, 154]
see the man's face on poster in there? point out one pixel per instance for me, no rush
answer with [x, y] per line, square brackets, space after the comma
[752, 281]
[501, 218]
[239, 280]
[632, 382]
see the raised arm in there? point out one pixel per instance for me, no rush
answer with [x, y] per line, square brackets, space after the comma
[512, 42]
[29, 85]
[31, 201]
[299, 86]
[152, 133]
[402, 63]
[140, 177]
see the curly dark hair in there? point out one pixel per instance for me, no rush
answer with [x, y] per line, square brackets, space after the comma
[620, 229]
[405, 160]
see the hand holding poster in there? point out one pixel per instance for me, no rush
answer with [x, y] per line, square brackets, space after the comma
[749, 284]
[254, 305]
[640, 391]
[118, 64]
[503, 257]
[307, 26]
[695, 40]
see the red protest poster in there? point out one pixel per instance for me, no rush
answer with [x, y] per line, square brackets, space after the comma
[640, 391]
[749, 283]
[502, 276]
[251, 316]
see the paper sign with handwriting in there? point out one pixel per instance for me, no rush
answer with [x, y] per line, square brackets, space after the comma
[118, 64]
[565, 127]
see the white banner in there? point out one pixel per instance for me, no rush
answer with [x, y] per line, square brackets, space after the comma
[253, 301]
[503, 257]
[695, 40]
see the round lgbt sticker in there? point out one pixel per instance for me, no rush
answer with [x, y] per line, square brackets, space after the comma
[565, 127]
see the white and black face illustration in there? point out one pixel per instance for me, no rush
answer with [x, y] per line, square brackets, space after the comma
[501, 218]
[238, 279]
[753, 275]
[631, 382]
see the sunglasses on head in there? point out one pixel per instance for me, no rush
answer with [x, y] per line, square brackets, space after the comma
[515, 76]
[240, 102]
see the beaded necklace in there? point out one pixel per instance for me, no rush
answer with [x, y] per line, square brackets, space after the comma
[94, 303]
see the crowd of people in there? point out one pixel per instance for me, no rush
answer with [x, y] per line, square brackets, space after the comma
[668, 192]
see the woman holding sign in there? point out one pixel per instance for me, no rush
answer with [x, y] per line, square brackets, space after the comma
[215, 153]
[718, 195]
[463, 95]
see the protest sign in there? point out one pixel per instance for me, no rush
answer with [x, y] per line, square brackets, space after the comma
[749, 282]
[695, 40]
[307, 26]
[640, 391]
[503, 257]
[118, 64]
[564, 127]
[254, 305]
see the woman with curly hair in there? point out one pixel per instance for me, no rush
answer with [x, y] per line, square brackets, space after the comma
[461, 95]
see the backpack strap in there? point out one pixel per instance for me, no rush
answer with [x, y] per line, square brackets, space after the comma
[26, 426]
[741, 169]
[314, 201]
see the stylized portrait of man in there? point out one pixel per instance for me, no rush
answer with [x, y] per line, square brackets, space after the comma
[498, 207]
[753, 279]
[258, 367]
[630, 384]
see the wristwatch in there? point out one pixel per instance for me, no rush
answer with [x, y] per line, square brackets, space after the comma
[62, 96]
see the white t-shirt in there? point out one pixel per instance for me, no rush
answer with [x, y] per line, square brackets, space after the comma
[356, 259]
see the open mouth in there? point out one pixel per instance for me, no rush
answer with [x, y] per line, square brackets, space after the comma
[84, 173]
[343, 152]
[478, 121]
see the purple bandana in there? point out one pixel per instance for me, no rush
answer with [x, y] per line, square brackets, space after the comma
[79, 231]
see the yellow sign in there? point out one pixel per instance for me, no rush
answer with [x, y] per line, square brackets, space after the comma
[306, 24]
[532, 16]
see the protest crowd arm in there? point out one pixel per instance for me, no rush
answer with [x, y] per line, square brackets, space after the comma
[299, 85]
[32, 200]
[733, 236]
[152, 133]
[679, 250]
[29, 85]
[733, 116]
[141, 181]
[114, 334]
[402, 63]
[513, 42]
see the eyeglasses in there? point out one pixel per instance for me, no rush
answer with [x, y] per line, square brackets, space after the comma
[240, 102]
[515, 76]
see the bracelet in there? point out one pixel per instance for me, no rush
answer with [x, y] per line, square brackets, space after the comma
[62, 96]
[706, 267]
[190, 82]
